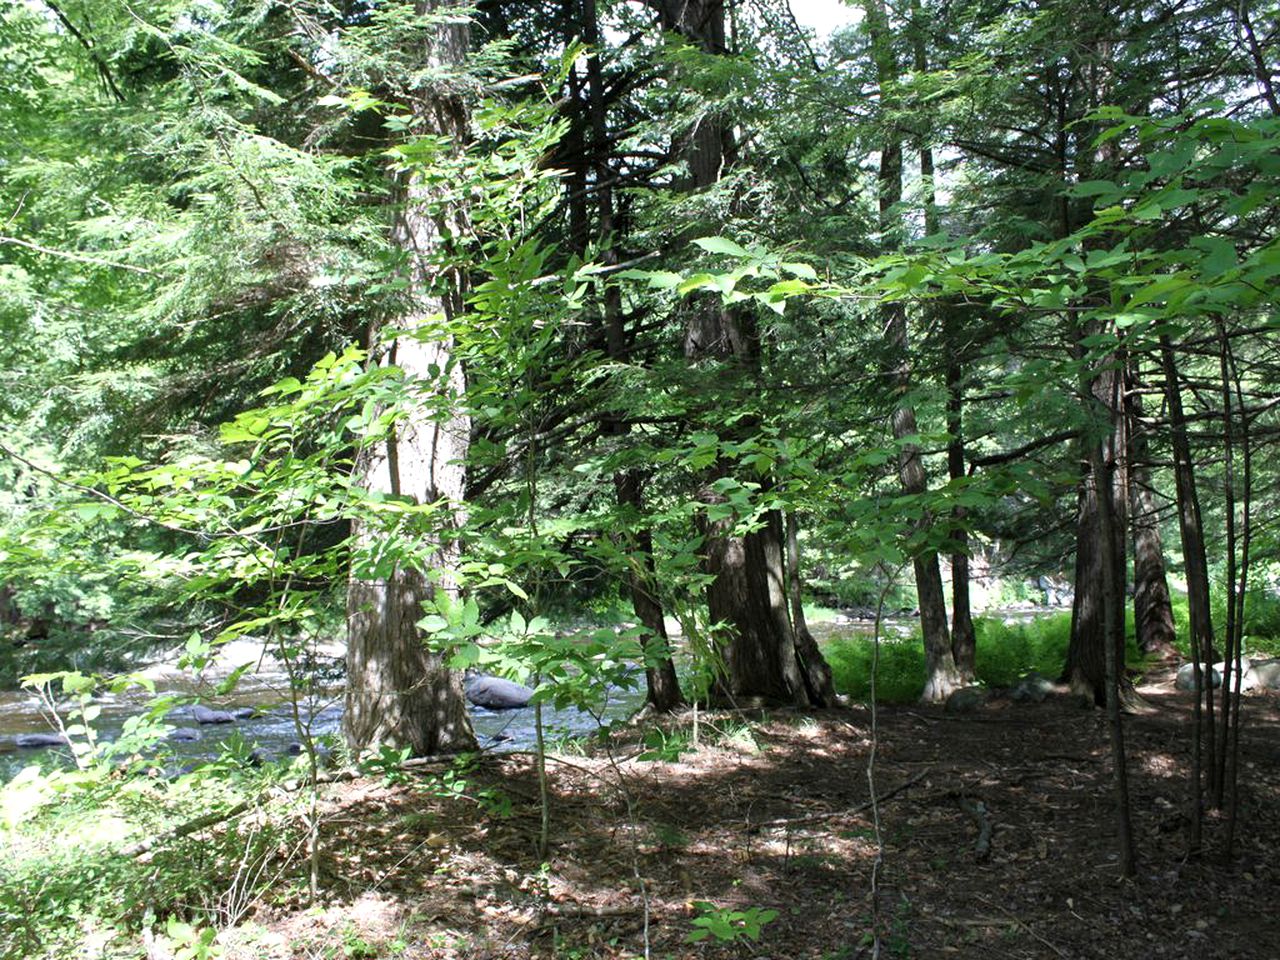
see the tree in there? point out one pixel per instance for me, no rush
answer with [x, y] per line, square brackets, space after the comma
[400, 692]
[762, 655]
[942, 676]
[660, 674]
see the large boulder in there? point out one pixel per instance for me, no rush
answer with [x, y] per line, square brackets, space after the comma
[1186, 679]
[1267, 673]
[495, 693]
[967, 700]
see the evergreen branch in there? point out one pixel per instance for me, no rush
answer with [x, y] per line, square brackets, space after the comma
[80, 257]
[103, 71]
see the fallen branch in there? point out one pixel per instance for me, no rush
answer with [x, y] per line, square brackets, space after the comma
[822, 817]
[573, 911]
[190, 827]
[1019, 922]
[976, 810]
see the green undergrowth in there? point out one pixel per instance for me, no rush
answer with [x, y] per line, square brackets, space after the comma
[1261, 623]
[1005, 652]
[75, 881]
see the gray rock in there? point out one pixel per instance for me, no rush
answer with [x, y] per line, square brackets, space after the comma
[966, 700]
[185, 735]
[204, 715]
[1267, 674]
[244, 713]
[1186, 679]
[37, 741]
[495, 693]
[1032, 688]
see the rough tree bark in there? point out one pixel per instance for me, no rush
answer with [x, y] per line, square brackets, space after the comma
[399, 693]
[1152, 607]
[817, 672]
[963, 637]
[760, 657]
[1085, 669]
[1191, 529]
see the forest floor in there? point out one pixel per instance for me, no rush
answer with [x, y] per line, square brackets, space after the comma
[773, 814]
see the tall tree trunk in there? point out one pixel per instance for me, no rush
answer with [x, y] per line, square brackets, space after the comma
[399, 692]
[941, 674]
[1111, 537]
[1152, 607]
[963, 636]
[1097, 562]
[1197, 570]
[963, 641]
[662, 685]
[760, 659]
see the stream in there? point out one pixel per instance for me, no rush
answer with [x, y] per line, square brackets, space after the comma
[267, 723]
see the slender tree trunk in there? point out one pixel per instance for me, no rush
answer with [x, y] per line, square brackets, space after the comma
[1110, 535]
[1237, 574]
[941, 674]
[963, 642]
[1152, 607]
[662, 685]
[963, 638]
[1197, 570]
[1246, 536]
[399, 692]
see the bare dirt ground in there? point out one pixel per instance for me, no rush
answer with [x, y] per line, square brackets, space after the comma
[773, 814]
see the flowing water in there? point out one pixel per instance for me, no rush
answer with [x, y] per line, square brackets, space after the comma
[272, 729]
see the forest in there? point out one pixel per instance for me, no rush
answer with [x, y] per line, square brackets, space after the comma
[639, 479]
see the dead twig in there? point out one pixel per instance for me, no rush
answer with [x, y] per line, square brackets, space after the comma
[823, 817]
[1019, 922]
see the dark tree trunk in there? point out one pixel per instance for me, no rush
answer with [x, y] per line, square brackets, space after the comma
[941, 674]
[1111, 537]
[760, 660]
[1152, 607]
[963, 642]
[663, 688]
[1087, 652]
[399, 692]
[1197, 570]
[814, 668]
[662, 685]
[963, 638]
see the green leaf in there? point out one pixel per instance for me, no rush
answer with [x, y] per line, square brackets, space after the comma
[1094, 188]
[722, 245]
[1219, 255]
